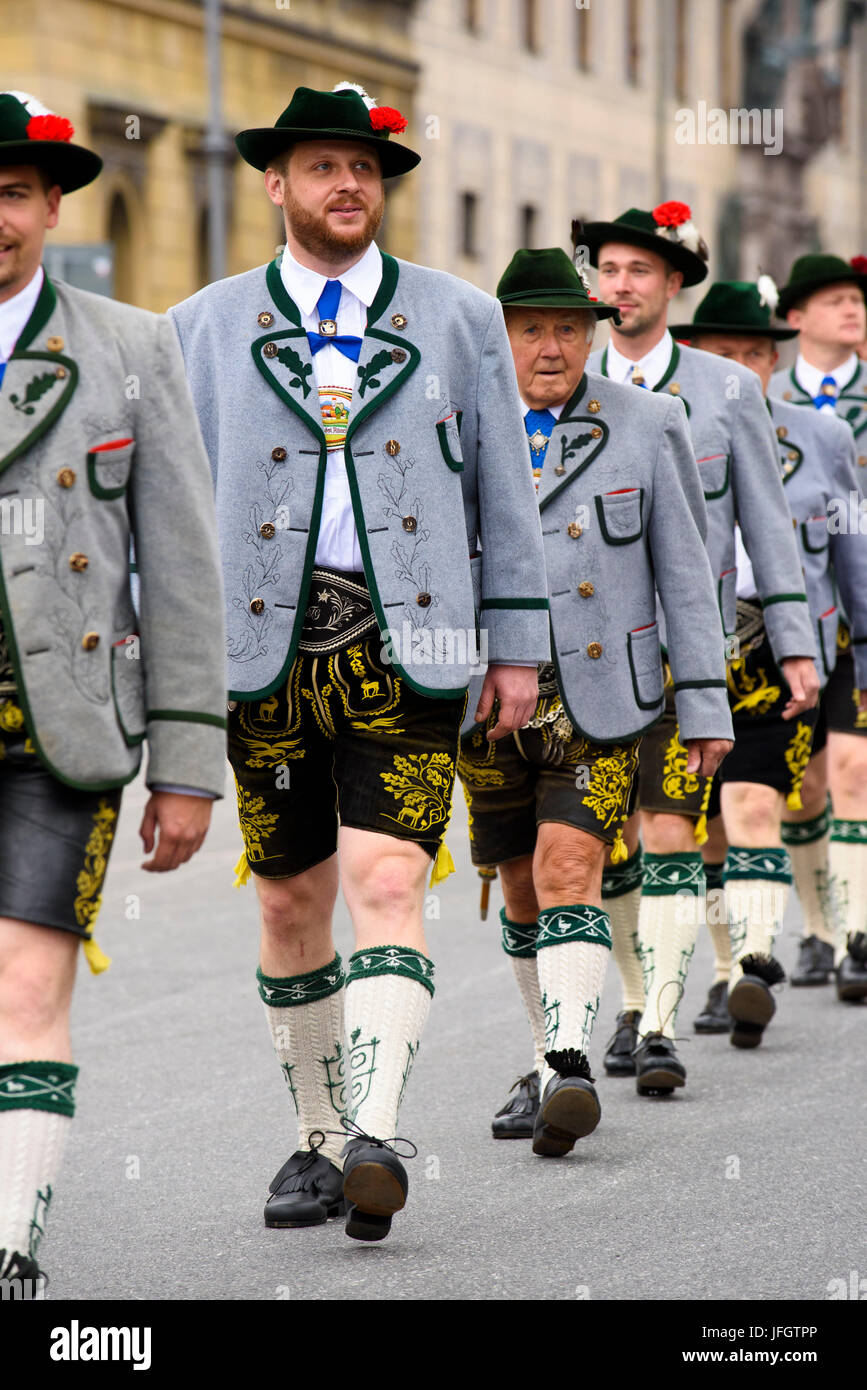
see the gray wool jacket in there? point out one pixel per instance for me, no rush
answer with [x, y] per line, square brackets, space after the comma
[820, 477]
[621, 507]
[851, 404]
[436, 458]
[735, 447]
[99, 445]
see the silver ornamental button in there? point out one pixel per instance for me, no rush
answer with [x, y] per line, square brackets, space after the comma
[538, 441]
[327, 327]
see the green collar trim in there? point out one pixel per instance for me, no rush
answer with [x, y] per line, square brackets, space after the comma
[289, 309]
[280, 295]
[797, 385]
[42, 311]
[853, 378]
[574, 400]
[669, 371]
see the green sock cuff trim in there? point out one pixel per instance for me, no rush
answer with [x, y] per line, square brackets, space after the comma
[804, 832]
[519, 938]
[772, 864]
[849, 832]
[713, 874]
[38, 1086]
[618, 879]
[668, 874]
[392, 960]
[292, 990]
[575, 922]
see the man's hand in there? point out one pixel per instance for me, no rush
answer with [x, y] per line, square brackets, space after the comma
[802, 679]
[706, 754]
[183, 824]
[517, 689]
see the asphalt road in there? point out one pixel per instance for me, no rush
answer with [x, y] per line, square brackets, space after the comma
[747, 1185]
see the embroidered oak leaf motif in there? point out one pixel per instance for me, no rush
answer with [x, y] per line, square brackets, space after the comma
[422, 783]
[570, 449]
[609, 784]
[87, 900]
[35, 388]
[290, 358]
[367, 374]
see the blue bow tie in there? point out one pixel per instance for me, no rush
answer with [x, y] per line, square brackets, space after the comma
[539, 424]
[326, 308]
[826, 396]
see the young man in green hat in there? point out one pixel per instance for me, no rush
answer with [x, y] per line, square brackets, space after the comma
[824, 302]
[643, 259]
[547, 804]
[766, 801]
[374, 499]
[86, 464]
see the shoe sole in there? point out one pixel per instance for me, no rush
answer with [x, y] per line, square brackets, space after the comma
[339, 1209]
[746, 1035]
[660, 1081]
[619, 1069]
[751, 1002]
[567, 1116]
[803, 982]
[363, 1225]
[374, 1189]
[722, 1025]
[526, 1133]
[851, 994]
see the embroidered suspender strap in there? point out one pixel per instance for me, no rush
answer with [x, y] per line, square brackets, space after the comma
[339, 611]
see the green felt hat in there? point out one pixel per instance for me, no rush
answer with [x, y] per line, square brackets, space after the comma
[339, 115]
[736, 306]
[663, 230]
[547, 279]
[31, 134]
[814, 272]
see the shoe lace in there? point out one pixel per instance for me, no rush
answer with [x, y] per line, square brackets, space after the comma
[623, 1026]
[351, 1130]
[525, 1081]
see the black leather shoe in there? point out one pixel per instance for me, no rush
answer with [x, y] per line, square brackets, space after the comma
[815, 962]
[569, 1109]
[515, 1120]
[23, 1281]
[751, 1003]
[715, 1016]
[374, 1187]
[306, 1192]
[658, 1069]
[618, 1059]
[852, 970]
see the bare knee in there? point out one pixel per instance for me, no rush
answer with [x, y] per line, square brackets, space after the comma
[30, 1003]
[293, 907]
[519, 892]
[752, 814]
[715, 848]
[666, 834]
[387, 882]
[567, 866]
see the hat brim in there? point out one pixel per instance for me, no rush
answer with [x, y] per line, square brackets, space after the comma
[557, 299]
[260, 147]
[71, 166]
[693, 330]
[790, 295]
[692, 267]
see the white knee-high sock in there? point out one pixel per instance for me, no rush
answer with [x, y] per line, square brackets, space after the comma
[757, 885]
[718, 922]
[621, 896]
[573, 947]
[519, 944]
[388, 994]
[37, 1103]
[305, 1016]
[808, 844]
[848, 856]
[671, 901]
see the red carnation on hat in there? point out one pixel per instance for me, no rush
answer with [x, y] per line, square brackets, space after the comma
[672, 214]
[387, 118]
[859, 263]
[49, 128]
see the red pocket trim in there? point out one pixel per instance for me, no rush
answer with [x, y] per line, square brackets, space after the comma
[832, 609]
[642, 629]
[114, 444]
[618, 490]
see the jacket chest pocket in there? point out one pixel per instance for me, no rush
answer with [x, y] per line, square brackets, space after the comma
[449, 435]
[714, 468]
[108, 468]
[645, 666]
[620, 514]
[814, 534]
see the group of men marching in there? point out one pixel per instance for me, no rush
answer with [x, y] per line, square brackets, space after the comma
[644, 537]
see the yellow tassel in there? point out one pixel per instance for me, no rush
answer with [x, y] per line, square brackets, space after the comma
[443, 865]
[619, 852]
[700, 830]
[242, 871]
[794, 802]
[95, 957]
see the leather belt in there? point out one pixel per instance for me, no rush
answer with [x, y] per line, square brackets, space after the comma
[339, 611]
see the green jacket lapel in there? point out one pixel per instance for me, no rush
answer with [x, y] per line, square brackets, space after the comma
[282, 354]
[387, 359]
[804, 396]
[576, 440]
[673, 388]
[790, 455]
[38, 384]
[852, 401]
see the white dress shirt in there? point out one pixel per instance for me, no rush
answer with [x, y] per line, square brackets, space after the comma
[15, 312]
[653, 365]
[335, 375]
[746, 583]
[811, 377]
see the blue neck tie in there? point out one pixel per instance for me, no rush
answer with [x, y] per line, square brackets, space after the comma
[538, 424]
[326, 308]
[827, 393]
[2, 372]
